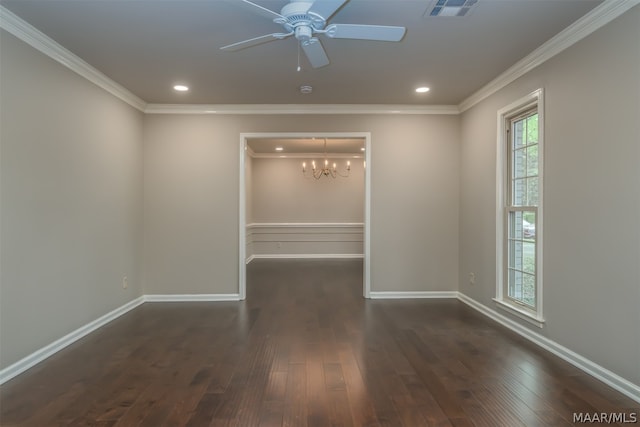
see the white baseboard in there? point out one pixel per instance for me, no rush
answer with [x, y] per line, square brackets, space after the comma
[38, 356]
[305, 256]
[413, 295]
[611, 379]
[615, 381]
[191, 297]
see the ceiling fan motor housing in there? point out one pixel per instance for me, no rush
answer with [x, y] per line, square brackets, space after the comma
[299, 21]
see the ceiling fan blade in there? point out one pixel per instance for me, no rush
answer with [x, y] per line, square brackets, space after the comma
[365, 32]
[256, 8]
[255, 41]
[315, 53]
[325, 8]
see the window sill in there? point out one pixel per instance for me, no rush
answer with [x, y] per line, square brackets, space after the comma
[520, 313]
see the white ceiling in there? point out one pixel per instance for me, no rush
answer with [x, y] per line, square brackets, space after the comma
[147, 46]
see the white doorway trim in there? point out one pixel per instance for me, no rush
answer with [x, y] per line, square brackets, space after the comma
[242, 221]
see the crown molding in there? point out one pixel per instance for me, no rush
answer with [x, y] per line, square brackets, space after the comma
[305, 225]
[38, 40]
[589, 23]
[597, 18]
[250, 152]
[284, 155]
[299, 109]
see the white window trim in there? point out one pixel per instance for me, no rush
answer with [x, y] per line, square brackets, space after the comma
[535, 98]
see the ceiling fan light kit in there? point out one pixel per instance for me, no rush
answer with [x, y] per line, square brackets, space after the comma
[305, 20]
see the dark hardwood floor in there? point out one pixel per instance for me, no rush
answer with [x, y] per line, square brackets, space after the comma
[304, 349]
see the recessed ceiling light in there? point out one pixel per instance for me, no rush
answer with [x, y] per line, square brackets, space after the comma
[362, 149]
[422, 89]
[181, 88]
[279, 148]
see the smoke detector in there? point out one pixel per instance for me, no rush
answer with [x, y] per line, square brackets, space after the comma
[450, 8]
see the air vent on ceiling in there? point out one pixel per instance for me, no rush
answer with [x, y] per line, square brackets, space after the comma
[450, 8]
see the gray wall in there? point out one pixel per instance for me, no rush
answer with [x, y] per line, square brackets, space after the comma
[282, 194]
[592, 195]
[70, 174]
[191, 198]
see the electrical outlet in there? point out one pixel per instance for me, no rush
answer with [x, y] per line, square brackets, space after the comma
[125, 282]
[472, 278]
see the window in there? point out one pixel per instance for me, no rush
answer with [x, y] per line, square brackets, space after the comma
[519, 236]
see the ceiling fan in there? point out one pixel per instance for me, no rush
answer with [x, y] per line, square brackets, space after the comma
[305, 19]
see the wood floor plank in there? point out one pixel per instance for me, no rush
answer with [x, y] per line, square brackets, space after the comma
[184, 405]
[295, 411]
[317, 398]
[475, 410]
[339, 408]
[304, 349]
[256, 383]
[276, 386]
[333, 376]
[141, 407]
[508, 408]
[113, 404]
[204, 411]
[48, 413]
[427, 404]
[361, 405]
[271, 414]
[445, 399]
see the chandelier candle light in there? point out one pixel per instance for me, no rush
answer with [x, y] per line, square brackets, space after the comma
[325, 170]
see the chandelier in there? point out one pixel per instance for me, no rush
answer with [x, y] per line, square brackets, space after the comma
[325, 170]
